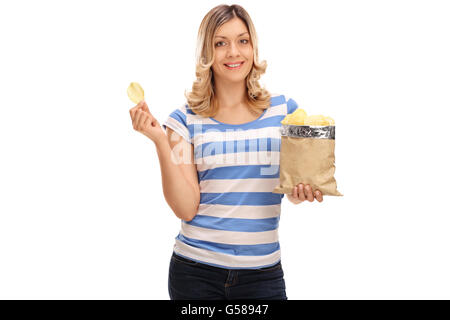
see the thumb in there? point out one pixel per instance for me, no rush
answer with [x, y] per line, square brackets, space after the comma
[154, 122]
[144, 106]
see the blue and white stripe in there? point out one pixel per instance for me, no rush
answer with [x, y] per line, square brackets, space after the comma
[236, 225]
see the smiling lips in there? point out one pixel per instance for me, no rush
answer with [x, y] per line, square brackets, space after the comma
[234, 65]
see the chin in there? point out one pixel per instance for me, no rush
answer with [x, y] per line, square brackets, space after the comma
[236, 78]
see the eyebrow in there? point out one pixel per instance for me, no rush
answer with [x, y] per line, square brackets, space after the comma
[227, 38]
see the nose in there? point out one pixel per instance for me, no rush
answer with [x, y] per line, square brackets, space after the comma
[233, 50]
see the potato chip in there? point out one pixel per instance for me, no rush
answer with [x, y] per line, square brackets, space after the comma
[135, 92]
[295, 118]
[330, 121]
[287, 119]
[297, 121]
[316, 120]
[300, 118]
[300, 113]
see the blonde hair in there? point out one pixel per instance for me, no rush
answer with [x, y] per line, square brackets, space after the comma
[201, 99]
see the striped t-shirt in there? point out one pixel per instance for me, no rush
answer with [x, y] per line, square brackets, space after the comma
[236, 225]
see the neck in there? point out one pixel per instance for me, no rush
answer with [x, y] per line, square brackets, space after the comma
[231, 95]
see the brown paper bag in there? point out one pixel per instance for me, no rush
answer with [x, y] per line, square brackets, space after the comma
[307, 156]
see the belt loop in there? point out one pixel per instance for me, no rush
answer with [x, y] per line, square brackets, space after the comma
[231, 279]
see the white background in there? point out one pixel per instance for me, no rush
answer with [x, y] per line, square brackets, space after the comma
[82, 213]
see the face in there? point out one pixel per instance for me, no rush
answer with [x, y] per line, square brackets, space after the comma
[232, 46]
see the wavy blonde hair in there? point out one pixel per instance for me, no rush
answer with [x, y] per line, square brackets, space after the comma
[201, 99]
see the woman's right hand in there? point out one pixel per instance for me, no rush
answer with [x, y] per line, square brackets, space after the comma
[145, 123]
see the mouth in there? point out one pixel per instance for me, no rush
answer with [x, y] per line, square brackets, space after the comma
[234, 66]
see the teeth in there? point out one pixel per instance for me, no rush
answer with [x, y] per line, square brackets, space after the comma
[233, 65]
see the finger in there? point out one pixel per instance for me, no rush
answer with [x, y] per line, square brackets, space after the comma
[137, 118]
[135, 108]
[142, 122]
[133, 118]
[301, 192]
[294, 193]
[144, 116]
[132, 113]
[147, 121]
[153, 121]
[318, 195]
[144, 107]
[309, 194]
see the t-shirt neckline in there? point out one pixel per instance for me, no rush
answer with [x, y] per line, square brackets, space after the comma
[241, 124]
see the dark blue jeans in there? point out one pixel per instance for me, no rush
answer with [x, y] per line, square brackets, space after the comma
[191, 280]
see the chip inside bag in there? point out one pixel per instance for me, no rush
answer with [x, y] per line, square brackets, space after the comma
[307, 153]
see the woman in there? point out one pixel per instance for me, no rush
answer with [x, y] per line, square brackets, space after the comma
[228, 244]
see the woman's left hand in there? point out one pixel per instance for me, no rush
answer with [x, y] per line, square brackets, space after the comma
[301, 193]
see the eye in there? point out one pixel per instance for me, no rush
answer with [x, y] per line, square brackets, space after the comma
[245, 42]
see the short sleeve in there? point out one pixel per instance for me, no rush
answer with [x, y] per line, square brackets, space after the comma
[177, 121]
[291, 105]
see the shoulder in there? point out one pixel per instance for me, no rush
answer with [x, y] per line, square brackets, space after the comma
[178, 121]
[285, 100]
[180, 114]
[278, 98]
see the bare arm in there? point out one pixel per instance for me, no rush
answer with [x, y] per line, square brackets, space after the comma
[176, 159]
[179, 175]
